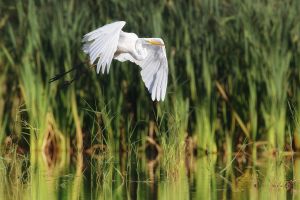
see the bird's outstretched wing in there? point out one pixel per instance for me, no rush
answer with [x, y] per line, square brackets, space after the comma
[155, 71]
[102, 43]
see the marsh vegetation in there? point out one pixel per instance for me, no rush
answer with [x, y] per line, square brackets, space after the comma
[233, 99]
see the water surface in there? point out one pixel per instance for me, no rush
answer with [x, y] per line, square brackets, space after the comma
[133, 176]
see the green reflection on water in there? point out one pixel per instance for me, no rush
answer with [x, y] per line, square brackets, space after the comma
[122, 176]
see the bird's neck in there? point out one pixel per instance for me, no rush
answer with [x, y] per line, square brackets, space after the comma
[139, 52]
[137, 56]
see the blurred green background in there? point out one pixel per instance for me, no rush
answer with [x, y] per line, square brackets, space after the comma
[234, 77]
[234, 72]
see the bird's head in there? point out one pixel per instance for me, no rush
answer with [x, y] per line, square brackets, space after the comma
[154, 41]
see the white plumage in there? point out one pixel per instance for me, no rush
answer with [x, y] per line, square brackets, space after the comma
[110, 42]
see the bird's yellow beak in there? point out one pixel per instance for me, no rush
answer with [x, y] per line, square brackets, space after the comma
[152, 42]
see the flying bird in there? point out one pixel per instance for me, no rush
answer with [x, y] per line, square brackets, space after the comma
[110, 42]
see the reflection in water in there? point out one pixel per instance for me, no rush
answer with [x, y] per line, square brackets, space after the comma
[133, 176]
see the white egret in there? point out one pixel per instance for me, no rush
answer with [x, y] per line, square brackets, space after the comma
[110, 42]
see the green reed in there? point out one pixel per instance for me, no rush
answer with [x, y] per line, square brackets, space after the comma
[3, 117]
[233, 67]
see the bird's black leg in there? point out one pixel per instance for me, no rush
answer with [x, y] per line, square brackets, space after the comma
[79, 70]
[59, 76]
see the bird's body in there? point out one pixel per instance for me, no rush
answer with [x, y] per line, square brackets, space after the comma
[110, 42]
[126, 42]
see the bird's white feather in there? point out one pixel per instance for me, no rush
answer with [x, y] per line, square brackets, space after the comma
[110, 42]
[122, 57]
[155, 71]
[102, 43]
